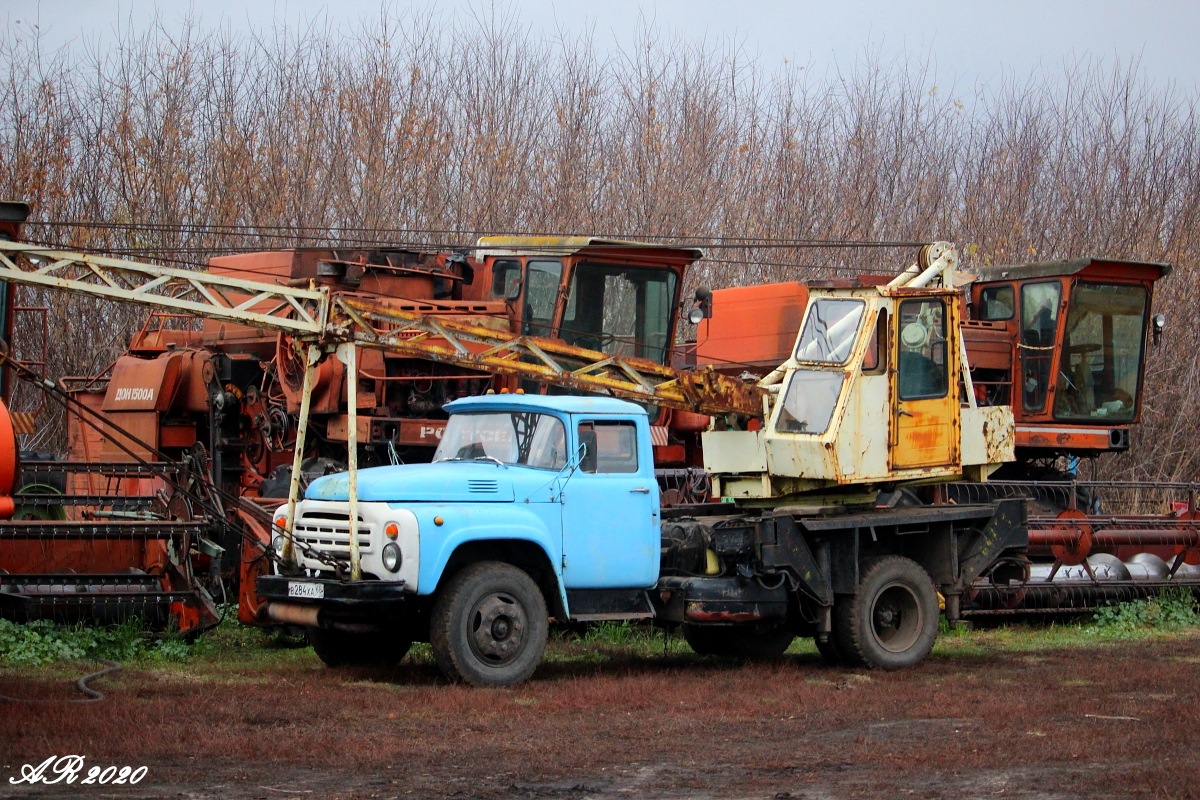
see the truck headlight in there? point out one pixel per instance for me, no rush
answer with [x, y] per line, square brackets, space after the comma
[277, 543]
[391, 557]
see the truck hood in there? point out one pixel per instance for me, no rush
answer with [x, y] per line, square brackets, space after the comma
[444, 482]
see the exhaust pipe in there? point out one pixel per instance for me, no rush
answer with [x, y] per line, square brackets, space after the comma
[293, 614]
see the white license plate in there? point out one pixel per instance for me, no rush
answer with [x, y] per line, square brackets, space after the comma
[311, 591]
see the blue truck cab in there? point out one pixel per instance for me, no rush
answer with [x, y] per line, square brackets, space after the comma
[533, 507]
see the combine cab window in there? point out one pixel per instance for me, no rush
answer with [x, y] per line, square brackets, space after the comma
[1039, 325]
[830, 329]
[621, 310]
[1101, 359]
[540, 296]
[996, 303]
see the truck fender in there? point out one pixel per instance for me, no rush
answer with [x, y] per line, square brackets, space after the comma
[465, 526]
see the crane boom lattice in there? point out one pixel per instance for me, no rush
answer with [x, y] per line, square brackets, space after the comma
[317, 316]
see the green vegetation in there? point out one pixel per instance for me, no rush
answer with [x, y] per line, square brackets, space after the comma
[43, 642]
[1172, 610]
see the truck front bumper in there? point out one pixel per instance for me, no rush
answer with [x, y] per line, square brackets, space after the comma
[331, 603]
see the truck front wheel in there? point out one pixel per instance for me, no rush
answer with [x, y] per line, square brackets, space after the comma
[489, 625]
[892, 621]
[343, 649]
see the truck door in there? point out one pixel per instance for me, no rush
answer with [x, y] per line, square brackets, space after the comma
[925, 402]
[610, 510]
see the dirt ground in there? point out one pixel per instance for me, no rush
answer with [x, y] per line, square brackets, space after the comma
[1110, 721]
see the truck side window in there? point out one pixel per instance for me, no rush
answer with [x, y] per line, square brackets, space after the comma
[614, 443]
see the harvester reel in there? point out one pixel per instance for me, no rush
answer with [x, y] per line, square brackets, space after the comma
[1074, 553]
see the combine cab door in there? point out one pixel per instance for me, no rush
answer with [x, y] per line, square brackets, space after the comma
[925, 398]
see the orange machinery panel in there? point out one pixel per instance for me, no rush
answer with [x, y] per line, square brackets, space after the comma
[751, 326]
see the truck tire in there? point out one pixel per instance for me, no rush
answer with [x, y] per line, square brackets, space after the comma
[343, 649]
[892, 621]
[489, 625]
[754, 642]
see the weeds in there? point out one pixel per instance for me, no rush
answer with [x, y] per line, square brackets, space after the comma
[1173, 610]
[44, 642]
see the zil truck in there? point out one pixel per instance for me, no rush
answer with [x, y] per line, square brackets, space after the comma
[826, 521]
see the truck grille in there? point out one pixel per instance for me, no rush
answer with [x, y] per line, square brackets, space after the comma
[329, 532]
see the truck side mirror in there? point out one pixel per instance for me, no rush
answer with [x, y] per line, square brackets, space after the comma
[1160, 322]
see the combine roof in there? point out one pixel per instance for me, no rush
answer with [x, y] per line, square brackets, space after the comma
[569, 245]
[1107, 267]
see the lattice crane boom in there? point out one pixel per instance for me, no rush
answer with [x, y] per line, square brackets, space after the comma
[316, 316]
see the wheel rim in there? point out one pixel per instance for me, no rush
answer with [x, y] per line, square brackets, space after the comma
[498, 628]
[896, 618]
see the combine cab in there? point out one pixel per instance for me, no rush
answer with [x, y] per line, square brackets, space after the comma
[1063, 343]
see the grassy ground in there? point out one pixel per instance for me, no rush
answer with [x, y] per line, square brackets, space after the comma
[1102, 709]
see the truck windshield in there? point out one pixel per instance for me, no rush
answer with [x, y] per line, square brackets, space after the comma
[829, 330]
[508, 437]
[1101, 359]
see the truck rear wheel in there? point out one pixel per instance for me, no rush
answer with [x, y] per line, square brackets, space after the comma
[757, 642]
[489, 625]
[892, 621]
[343, 649]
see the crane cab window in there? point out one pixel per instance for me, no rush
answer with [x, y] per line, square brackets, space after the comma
[830, 329]
[875, 360]
[921, 368]
[506, 279]
[609, 447]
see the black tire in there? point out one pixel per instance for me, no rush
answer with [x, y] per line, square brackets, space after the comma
[763, 642]
[489, 625]
[343, 649]
[892, 621]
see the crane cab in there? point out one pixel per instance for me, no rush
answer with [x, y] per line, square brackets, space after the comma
[873, 393]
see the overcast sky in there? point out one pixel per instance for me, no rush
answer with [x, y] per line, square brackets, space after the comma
[968, 43]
